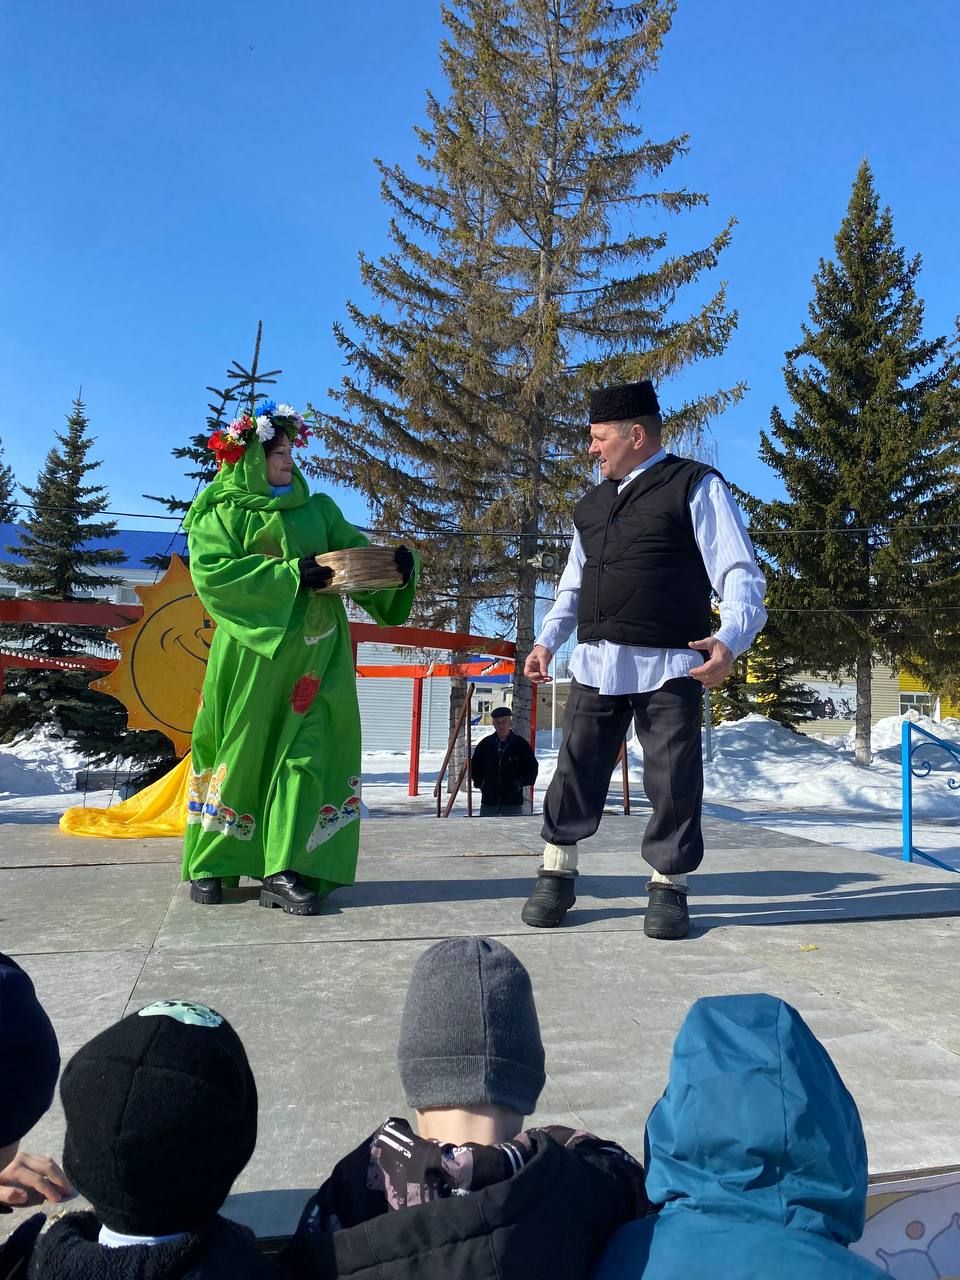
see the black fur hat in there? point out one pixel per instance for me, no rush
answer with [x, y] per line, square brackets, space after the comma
[617, 404]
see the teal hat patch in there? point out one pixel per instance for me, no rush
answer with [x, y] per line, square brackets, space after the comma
[191, 1015]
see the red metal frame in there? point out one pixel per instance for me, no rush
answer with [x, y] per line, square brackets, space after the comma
[415, 718]
[82, 613]
[102, 613]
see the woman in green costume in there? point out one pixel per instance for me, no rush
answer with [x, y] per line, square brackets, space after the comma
[275, 781]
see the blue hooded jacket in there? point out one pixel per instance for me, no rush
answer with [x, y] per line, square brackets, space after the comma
[756, 1153]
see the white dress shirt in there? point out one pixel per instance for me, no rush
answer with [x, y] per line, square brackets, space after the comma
[731, 567]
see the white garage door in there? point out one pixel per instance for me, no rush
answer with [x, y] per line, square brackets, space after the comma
[386, 706]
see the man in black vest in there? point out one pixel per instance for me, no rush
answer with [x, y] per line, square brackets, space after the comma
[652, 540]
[503, 764]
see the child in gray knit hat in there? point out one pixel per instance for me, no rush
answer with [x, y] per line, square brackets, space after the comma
[478, 1196]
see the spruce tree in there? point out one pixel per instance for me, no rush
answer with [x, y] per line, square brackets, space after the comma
[8, 492]
[863, 555]
[203, 465]
[529, 263]
[773, 689]
[246, 387]
[58, 528]
[731, 700]
[66, 555]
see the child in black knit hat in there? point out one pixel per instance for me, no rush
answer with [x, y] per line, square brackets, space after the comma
[161, 1112]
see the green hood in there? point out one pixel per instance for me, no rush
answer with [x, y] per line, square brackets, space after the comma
[244, 484]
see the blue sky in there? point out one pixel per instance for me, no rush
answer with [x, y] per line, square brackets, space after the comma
[175, 171]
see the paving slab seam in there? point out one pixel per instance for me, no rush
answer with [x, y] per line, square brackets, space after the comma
[816, 985]
[149, 951]
[193, 946]
[85, 866]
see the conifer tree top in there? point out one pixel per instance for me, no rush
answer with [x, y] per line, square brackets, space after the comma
[60, 530]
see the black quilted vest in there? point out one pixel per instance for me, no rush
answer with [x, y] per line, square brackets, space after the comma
[643, 579]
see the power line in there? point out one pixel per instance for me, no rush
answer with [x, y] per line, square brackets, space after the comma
[516, 533]
[130, 515]
[923, 610]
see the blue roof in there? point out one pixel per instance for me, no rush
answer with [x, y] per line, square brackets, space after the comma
[137, 545]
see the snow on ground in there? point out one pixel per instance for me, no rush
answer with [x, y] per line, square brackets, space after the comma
[760, 774]
[29, 767]
[758, 761]
[38, 776]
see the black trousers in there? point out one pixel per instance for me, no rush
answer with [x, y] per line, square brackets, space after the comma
[667, 722]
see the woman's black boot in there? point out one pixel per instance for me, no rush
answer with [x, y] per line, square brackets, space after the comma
[287, 890]
[208, 891]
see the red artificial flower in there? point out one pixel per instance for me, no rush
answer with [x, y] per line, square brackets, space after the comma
[225, 450]
[303, 694]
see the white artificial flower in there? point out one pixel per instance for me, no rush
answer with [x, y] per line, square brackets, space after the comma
[286, 411]
[265, 429]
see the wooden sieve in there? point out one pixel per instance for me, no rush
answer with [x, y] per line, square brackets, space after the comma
[361, 569]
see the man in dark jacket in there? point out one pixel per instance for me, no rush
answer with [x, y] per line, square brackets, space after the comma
[161, 1113]
[755, 1154]
[503, 764]
[468, 1195]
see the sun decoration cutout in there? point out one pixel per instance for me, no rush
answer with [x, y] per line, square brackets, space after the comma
[163, 658]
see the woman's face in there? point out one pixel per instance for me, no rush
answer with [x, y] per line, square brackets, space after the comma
[280, 462]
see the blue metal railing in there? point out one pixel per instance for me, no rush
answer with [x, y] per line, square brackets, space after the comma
[915, 763]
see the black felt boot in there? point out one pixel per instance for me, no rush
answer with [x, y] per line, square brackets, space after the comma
[208, 891]
[553, 896]
[667, 915]
[287, 890]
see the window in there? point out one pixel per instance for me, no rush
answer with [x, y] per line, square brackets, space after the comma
[922, 703]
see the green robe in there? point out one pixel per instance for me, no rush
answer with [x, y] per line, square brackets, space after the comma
[275, 781]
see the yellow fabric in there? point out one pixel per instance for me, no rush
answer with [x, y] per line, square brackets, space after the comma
[158, 810]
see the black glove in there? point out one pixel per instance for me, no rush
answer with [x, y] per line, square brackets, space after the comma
[314, 576]
[405, 563]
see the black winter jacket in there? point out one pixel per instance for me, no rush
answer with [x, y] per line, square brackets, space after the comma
[15, 1251]
[223, 1251]
[551, 1220]
[502, 775]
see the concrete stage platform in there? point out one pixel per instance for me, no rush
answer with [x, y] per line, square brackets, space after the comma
[865, 947]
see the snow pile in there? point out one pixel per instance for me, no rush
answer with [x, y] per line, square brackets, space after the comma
[16, 779]
[46, 761]
[885, 736]
[758, 761]
[44, 764]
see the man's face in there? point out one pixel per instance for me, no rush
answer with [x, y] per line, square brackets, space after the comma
[617, 454]
[502, 726]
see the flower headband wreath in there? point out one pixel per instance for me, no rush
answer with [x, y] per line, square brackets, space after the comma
[228, 443]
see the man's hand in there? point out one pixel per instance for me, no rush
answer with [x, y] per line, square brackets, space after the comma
[29, 1180]
[718, 665]
[537, 666]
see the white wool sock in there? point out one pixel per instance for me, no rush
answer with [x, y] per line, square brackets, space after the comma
[559, 857]
[676, 882]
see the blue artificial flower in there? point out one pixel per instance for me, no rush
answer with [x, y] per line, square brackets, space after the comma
[268, 406]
